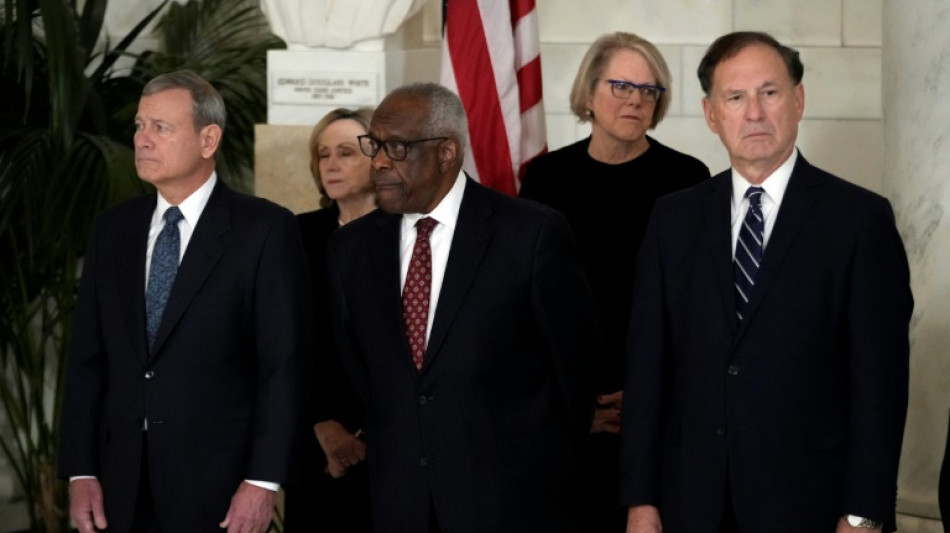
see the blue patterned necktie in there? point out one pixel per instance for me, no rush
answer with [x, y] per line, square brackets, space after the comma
[162, 272]
[749, 249]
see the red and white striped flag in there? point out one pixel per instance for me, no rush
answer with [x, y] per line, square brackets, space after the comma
[490, 58]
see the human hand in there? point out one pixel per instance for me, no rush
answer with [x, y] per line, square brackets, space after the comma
[251, 510]
[342, 448]
[85, 505]
[607, 413]
[643, 519]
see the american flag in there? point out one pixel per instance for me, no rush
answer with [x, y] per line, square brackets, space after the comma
[490, 58]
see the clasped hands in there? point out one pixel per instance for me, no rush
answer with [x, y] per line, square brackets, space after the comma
[342, 448]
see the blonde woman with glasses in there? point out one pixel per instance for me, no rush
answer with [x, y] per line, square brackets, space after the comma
[606, 185]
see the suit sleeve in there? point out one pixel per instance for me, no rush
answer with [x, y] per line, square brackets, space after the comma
[282, 316]
[645, 378]
[879, 311]
[354, 366]
[332, 396]
[85, 375]
[564, 309]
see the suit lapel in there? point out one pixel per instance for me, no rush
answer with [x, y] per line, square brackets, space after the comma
[720, 242]
[385, 253]
[131, 276]
[471, 238]
[792, 214]
[203, 252]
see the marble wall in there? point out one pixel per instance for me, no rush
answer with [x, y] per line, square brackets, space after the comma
[841, 50]
[916, 92]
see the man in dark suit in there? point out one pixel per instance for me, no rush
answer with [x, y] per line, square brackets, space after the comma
[768, 361]
[475, 408]
[181, 415]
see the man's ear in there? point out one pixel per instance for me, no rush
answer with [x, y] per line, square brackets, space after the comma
[710, 115]
[449, 154]
[210, 139]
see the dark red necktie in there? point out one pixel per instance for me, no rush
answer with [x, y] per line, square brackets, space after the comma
[415, 293]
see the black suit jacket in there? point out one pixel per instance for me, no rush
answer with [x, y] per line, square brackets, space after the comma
[487, 431]
[313, 492]
[223, 387]
[802, 404]
[332, 396]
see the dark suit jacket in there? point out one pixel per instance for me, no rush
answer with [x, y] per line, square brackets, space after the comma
[224, 384]
[314, 497]
[487, 431]
[802, 405]
[332, 396]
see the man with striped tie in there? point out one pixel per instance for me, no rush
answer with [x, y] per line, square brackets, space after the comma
[767, 369]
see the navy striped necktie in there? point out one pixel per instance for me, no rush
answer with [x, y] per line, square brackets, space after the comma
[162, 271]
[749, 249]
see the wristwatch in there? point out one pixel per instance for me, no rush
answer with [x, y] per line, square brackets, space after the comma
[860, 521]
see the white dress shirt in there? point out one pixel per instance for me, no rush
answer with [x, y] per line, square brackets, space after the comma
[440, 241]
[191, 208]
[774, 185]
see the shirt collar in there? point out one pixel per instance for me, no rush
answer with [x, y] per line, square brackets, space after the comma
[774, 185]
[446, 213]
[191, 207]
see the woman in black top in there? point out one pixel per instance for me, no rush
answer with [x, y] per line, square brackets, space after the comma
[332, 485]
[606, 185]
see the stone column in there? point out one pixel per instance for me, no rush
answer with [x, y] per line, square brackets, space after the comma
[916, 73]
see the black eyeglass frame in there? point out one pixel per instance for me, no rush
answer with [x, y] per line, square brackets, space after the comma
[370, 146]
[641, 87]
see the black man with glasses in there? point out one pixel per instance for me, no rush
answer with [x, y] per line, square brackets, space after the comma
[605, 185]
[465, 320]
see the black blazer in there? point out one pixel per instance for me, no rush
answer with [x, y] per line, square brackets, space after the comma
[222, 389]
[802, 405]
[487, 431]
[331, 394]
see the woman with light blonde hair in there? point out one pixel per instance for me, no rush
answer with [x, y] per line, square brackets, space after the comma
[605, 184]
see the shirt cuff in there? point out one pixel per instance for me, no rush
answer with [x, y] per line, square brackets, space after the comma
[273, 487]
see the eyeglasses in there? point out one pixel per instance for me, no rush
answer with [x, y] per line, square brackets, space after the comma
[624, 89]
[396, 150]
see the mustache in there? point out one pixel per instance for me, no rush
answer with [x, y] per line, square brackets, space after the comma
[381, 180]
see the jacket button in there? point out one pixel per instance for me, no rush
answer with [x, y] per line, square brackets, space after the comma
[423, 462]
[423, 399]
[720, 431]
[149, 374]
[733, 370]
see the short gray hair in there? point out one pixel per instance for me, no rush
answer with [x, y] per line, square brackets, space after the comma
[595, 62]
[446, 112]
[207, 104]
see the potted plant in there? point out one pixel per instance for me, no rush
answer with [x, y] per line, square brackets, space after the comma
[66, 121]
